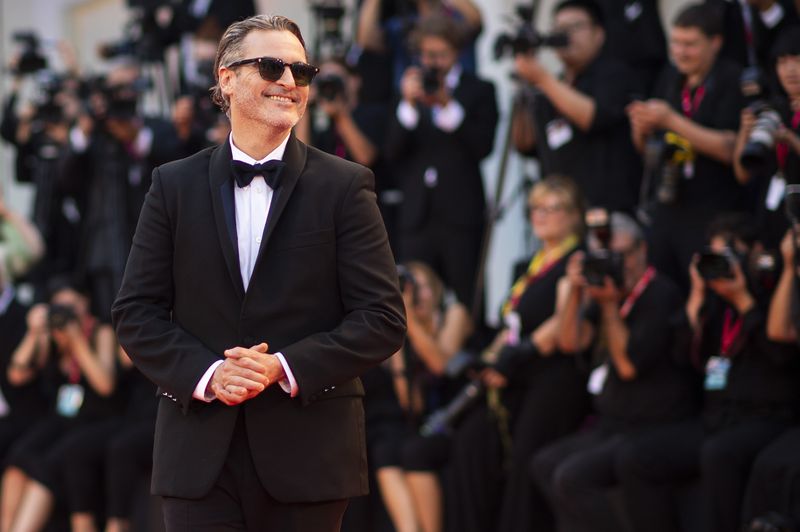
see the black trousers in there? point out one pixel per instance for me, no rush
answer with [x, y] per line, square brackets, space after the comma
[239, 502]
[775, 479]
[655, 461]
[575, 473]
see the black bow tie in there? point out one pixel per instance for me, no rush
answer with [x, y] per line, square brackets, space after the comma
[244, 173]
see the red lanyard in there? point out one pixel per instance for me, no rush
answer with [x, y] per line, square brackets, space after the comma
[782, 149]
[689, 104]
[730, 332]
[637, 291]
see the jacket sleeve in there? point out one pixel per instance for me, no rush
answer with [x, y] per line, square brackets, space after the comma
[373, 327]
[164, 352]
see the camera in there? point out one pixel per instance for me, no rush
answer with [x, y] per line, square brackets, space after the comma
[30, 60]
[712, 265]
[526, 39]
[330, 87]
[59, 316]
[329, 40]
[672, 152]
[601, 262]
[431, 80]
[761, 142]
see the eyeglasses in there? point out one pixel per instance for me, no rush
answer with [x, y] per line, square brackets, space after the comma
[546, 209]
[271, 69]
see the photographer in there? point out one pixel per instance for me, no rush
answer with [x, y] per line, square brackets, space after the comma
[74, 355]
[637, 384]
[383, 28]
[535, 392]
[112, 155]
[414, 379]
[576, 125]
[750, 393]
[775, 476]
[767, 150]
[698, 100]
[440, 131]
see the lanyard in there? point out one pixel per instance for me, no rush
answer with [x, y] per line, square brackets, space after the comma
[730, 332]
[637, 291]
[690, 104]
[782, 149]
[538, 268]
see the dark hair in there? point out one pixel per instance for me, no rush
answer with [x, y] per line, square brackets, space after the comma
[733, 226]
[787, 42]
[440, 26]
[230, 46]
[705, 17]
[590, 7]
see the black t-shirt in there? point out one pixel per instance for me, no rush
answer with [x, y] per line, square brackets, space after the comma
[763, 375]
[663, 387]
[601, 160]
[712, 186]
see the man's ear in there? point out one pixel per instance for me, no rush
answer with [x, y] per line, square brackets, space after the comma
[226, 79]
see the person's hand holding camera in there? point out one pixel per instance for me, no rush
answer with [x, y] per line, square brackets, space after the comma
[734, 290]
[411, 86]
[607, 295]
[37, 319]
[697, 292]
[529, 68]
[574, 272]
[788, 244]
[335, 108]
[787, 136]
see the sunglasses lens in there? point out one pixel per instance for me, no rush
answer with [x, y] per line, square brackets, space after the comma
[271, 69]
[303, 74]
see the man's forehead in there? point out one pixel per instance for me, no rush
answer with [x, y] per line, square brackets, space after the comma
[273, 43]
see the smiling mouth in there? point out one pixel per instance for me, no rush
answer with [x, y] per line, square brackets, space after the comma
[278, 98]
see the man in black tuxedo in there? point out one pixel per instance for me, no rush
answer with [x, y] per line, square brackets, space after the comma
[442, 127]
[238, 281]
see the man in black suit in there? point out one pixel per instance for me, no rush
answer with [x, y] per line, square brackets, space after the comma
[442, 128]
[237, 282]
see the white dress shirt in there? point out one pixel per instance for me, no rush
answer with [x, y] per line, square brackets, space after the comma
[252, 204]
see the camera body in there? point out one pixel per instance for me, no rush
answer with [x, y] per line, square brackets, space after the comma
[601, 262]
[31, 59]
[330, 87]
[526, 39]
[712, 265]
[761, 142]
[59, 316]
[431, 80]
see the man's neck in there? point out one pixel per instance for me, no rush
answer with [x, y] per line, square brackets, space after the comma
[695, 79]
[257, 143]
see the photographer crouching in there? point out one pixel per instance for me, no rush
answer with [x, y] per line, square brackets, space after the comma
[404, 390]
[749, 392]
[637, 384]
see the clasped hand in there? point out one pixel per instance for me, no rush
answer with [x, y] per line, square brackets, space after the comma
[245, 373]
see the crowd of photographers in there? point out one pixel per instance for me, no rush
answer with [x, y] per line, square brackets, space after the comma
[646, 375]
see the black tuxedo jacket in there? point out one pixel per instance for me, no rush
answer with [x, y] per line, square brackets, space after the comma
[324, 293]
[457, 199]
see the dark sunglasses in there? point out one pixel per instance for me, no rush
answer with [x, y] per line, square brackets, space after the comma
[271, 69]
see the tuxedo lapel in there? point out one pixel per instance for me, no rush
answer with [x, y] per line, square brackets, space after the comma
[221, 184]
[295, 159]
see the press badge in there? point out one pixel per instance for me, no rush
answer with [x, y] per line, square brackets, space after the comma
[717, 373]
[70, 399]
[559, 132]
[775, 193]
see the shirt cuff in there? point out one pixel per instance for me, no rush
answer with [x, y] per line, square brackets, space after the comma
[407, 115]
[289, 384]
[78, 140]
[772, 16]
[448, 118]
[200, 390]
